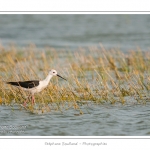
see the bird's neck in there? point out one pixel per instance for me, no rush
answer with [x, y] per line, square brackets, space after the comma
[47, 79]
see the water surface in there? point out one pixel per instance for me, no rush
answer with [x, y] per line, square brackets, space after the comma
[74, 31]
[99, 120]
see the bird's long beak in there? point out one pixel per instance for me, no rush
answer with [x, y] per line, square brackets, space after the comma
[61, 77]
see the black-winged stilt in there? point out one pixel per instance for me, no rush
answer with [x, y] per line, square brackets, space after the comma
[35, 86]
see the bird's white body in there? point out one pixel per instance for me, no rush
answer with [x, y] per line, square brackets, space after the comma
[42, 85]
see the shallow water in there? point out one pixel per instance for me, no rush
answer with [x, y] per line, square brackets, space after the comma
[99, 120]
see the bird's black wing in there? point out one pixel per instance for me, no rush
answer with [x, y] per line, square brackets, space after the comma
[25, 84]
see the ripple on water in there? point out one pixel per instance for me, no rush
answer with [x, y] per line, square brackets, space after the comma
[100, 120]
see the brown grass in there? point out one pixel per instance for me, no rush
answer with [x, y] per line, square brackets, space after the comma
[93, 74]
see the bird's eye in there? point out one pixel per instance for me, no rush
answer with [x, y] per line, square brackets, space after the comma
[53, 72]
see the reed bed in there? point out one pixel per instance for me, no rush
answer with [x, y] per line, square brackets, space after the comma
[94, 75]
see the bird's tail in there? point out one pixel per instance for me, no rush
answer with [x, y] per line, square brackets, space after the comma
[13, 83]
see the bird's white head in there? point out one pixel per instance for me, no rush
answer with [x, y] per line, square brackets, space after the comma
[54, 73]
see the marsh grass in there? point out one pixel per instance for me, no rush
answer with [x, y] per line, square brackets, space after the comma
[94, 74]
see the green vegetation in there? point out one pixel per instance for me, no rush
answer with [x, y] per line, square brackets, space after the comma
[93, 74]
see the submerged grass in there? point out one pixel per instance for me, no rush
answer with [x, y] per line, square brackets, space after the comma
[94, 74]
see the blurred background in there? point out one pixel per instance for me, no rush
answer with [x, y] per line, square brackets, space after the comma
[73, 31]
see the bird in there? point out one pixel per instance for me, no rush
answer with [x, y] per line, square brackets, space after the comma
[35, 86]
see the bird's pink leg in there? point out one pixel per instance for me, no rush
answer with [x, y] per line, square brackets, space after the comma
[25, 102]
[33, 99]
